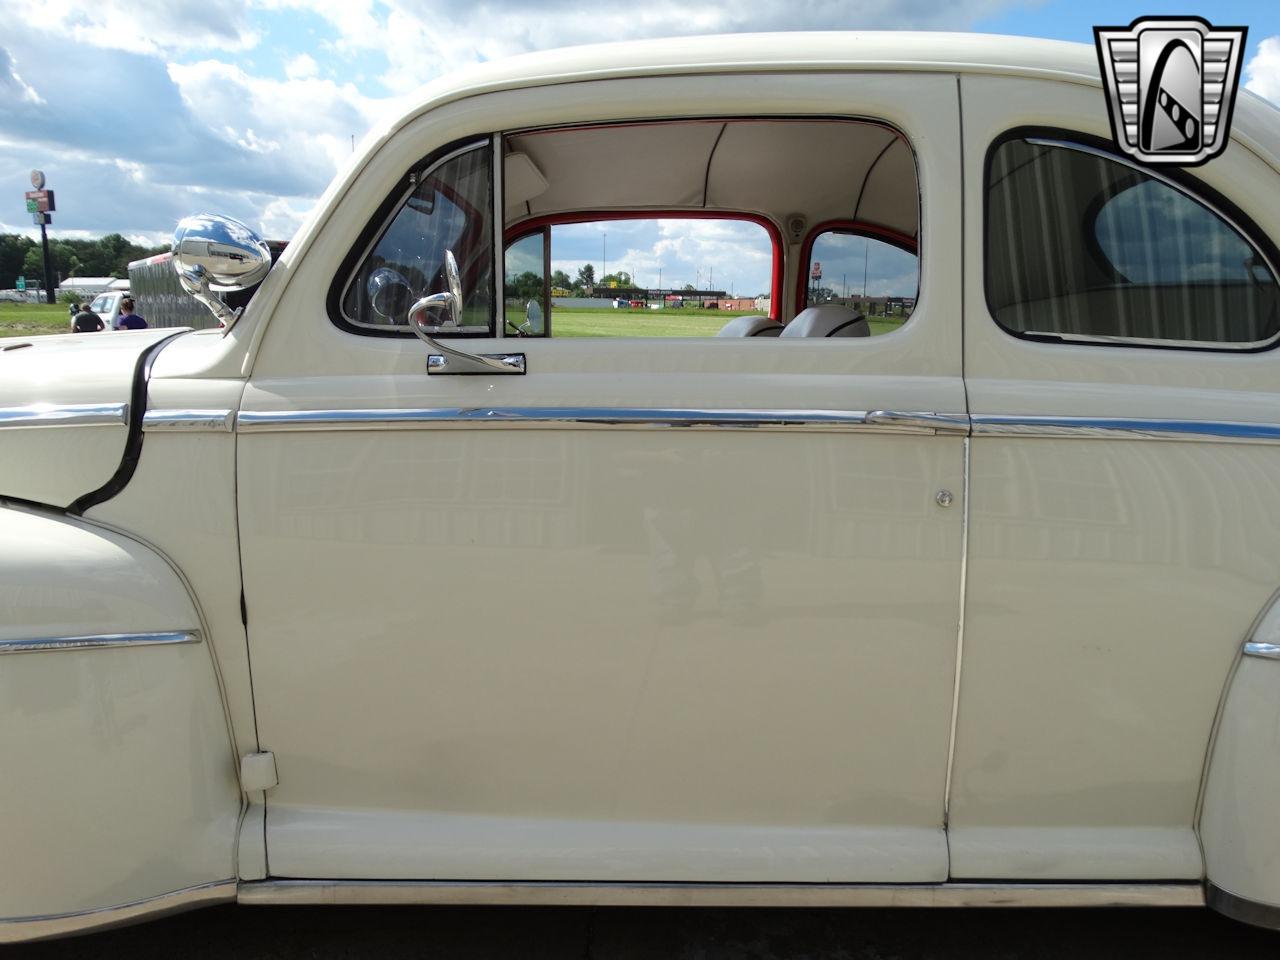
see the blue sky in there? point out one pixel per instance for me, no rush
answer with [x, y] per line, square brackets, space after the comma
[142, 111]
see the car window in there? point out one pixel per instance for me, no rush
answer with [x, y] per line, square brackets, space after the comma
[1085, 247]
[101, 305]
[675, 228]
[449, 209]
[868, 275]
[642, 277]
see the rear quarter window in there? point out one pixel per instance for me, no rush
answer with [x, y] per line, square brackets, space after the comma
[1083, 246]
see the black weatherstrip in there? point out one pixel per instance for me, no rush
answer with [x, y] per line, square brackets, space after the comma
[133, 444]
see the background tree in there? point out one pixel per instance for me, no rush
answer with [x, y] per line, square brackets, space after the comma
[107, 256]
[527, 286]
[62, 257]
[561, 279]
[586, 276]
[13, 254]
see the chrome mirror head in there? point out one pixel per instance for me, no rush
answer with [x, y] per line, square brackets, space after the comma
[439, 312]
[218, 254]
[228, 252]
[455, 285]
[532, 326]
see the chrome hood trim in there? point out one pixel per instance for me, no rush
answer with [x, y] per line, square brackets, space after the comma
[65, 415]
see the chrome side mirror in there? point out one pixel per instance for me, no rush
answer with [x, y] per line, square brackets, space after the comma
[449, 307]
[532, 326]
[212, 254]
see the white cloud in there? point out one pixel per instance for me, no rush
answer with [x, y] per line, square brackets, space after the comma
[1262, 73]
[301, 67]
[163, 114]
[140, 26]
[303, 126]
[422, 39]
[13, 83]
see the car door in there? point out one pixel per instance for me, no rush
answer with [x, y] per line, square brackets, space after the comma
[653, 610]
[1121, 374]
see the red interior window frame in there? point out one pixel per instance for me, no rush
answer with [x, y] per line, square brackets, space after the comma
[857, 227]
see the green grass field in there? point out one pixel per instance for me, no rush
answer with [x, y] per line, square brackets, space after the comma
[33, 319]
[572, 322]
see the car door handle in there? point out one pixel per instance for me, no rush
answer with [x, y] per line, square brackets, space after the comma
[456, 362]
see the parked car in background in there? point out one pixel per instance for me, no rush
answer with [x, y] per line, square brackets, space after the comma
[388, 592]
[107, 307]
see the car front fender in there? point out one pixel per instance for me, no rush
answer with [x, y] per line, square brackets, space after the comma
[119, 783]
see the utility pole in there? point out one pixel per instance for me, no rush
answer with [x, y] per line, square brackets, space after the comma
[604, 258]
[866, 245]
[49, 295]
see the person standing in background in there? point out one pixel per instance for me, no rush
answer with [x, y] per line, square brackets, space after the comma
[86, 321]
[128, 320]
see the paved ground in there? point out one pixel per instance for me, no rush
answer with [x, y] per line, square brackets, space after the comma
[277, 933]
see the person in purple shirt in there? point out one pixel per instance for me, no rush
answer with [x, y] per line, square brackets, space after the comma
[128, 320]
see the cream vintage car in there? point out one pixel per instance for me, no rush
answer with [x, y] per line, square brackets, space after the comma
[971, 609]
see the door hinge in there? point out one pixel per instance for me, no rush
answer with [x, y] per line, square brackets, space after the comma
[258, 771]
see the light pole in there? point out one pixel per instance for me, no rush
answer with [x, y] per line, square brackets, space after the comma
[866, 245]
[604, 258]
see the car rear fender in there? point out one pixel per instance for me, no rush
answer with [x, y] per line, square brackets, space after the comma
[1239, 829]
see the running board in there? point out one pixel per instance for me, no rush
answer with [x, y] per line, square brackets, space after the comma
[583, 894]
[566, 894]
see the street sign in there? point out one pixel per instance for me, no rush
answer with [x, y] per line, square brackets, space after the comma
[32, 206]
[43, 200]
[37, 179]
[40, 218]
[22, 283]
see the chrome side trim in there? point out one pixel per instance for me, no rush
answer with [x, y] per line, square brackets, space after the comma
[99, 641]
[559, 417]
[937, 423]
[1267, 651]
[65, 415]
[586, 417]
[201, 421]
[1124, 428]
[503, 893]
[65, 924]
